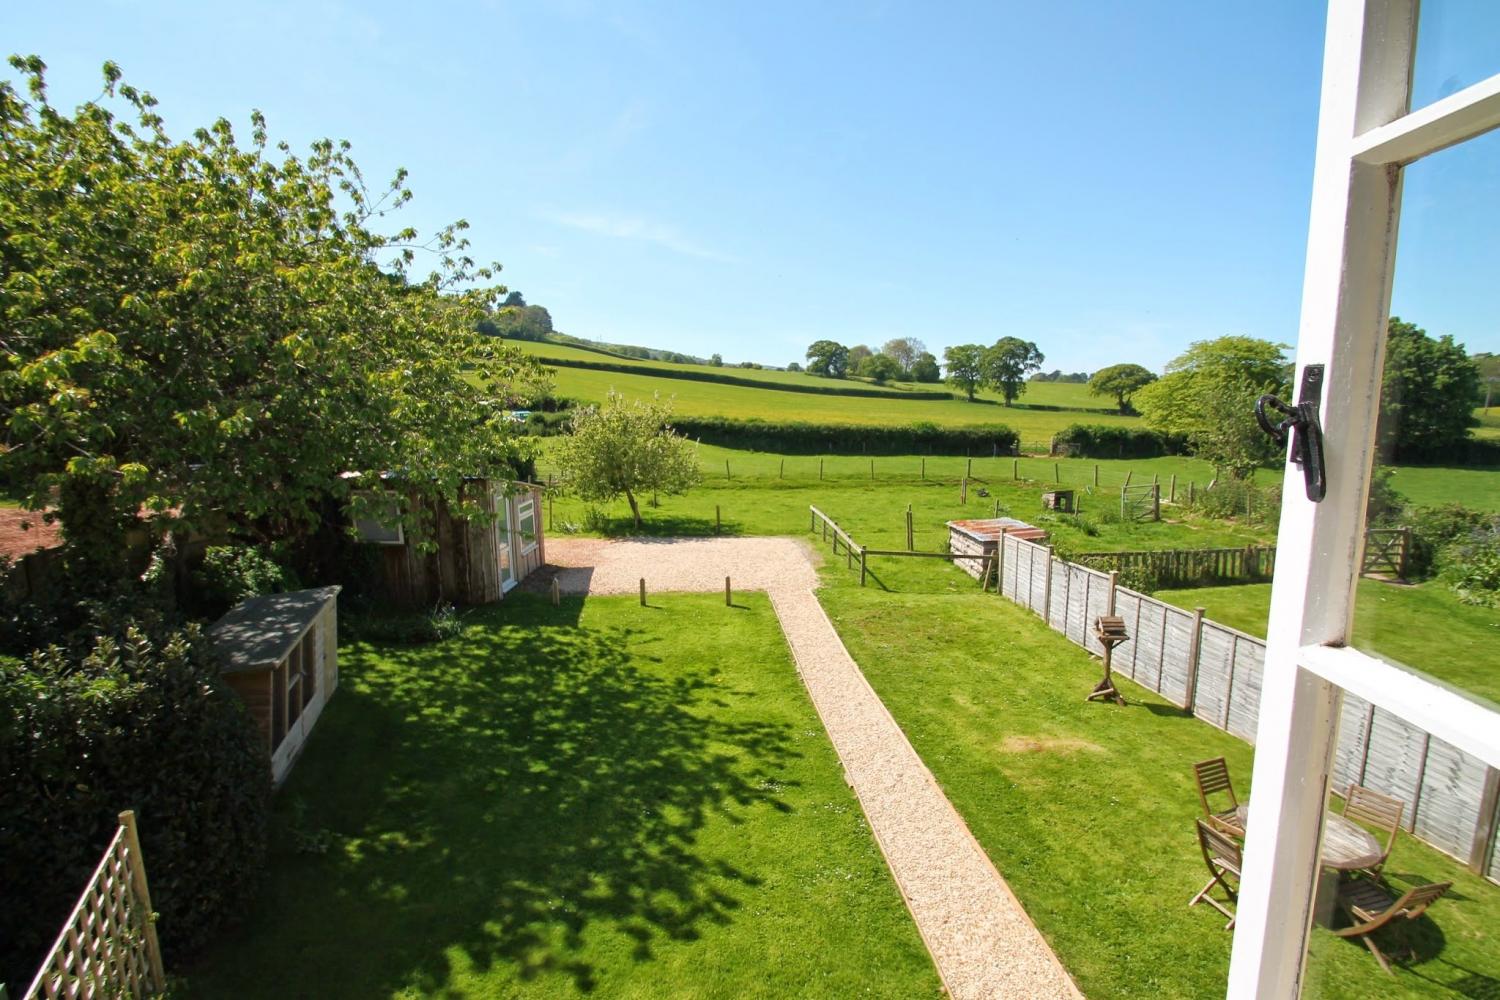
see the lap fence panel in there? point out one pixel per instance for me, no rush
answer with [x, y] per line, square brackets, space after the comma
[1244, 697]
[1128, 607]
[1446, 813]
[1215, 676]
[1177, 649]
[1057, 606]
[1096, 595]
[1394, 762]
[1076, 586]
[1150, 642]
[1037, 562]
[1354, 742]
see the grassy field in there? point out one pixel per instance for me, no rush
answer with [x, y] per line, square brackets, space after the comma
[756, 501]
[1088, 809]
[1395, 621]
[597, 799]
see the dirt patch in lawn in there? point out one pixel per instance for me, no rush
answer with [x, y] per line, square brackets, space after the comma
[1043, 744]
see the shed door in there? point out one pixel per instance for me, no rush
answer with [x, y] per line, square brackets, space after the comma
[503, 541]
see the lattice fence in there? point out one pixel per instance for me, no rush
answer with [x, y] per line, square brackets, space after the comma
[108, 947]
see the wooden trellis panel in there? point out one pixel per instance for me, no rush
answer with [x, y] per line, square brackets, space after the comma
[108, 947]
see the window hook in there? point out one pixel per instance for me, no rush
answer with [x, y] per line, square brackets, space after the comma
[1306, 430]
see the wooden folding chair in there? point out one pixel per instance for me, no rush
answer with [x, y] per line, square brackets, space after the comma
[1222, 856]
[1371, 908]
[1213, 779]
[1378, 811]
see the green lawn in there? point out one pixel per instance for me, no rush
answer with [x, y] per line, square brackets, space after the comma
[1087, 809]
[599, 798]
[1432, 486]
[1423, 626]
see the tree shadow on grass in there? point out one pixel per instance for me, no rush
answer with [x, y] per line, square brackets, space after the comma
[508, 798]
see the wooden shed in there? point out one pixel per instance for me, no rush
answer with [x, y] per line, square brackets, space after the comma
[982, 537]
[280, 654]
[468, 562]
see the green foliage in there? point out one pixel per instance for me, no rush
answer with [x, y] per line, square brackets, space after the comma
[828, 357]
[1209, 394]
[794, 367]
[717, 360]
[521, 322]
[1103, 441]
[627, 448]
[131, 725]
[1239, 499]
[1006, 365]
[1427, 397]
[965, 365]
[1121, 382]
[925, 368]
[881, 368]
[1435, 529]
[802, 438]
[214, 332]
[1475, 571]
[858, 355]
[725, 378]
[231, 573]
[906, 352]
[407, 628]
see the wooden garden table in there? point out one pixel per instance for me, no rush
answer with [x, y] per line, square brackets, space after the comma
[1347, 847]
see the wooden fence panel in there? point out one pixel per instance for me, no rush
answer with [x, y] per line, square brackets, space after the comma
[1037, 560]
[1446, 813]
[1354, 737]
[1244, 698]
[1215, 675]
[1057, 601]
[1097, 597]
[1176, 652]
[1008, 573]
[1394, 762]
[1128, 607]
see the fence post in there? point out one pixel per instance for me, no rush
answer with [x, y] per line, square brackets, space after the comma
[820, 470]
[643, 591]
[1192, 491]
[970, 471]
[783, 469]
[1047, 590]
[727, 474]
[963, 491]
[1015, 468]
[1405, 549]
[556, 593]
[872, 470]
[1128, 474]
[1114, 585]
[997, 508]
[862, 565]
[1195, 647]
[1489, 820]
[717, 522]
[924, 466]
[1173, 496]
[909, 546]
[812, 520]
[728, 600]
[1000, 562]
[138, 881]
[1057, 472]
[550, 499]
[1096, 475]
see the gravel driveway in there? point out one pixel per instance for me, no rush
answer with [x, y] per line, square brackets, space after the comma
[982, 941]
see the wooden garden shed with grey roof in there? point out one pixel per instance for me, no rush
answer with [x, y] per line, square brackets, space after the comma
[279, 653]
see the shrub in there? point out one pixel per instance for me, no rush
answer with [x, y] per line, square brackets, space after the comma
[1102, 441]
[1434, 529]
[1240, 499]
[1474, 570]
[407, 628]
[138, 725]
[231, 573]
[798, 438]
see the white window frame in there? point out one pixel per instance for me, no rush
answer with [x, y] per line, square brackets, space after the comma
[526, 507]
[1366, 135]
[373, 529]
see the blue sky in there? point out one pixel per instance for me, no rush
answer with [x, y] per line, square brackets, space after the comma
[1109, 180]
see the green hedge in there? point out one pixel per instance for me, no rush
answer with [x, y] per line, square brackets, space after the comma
[797, 438]
[724, 378]
[136, 726]
[1103, 441]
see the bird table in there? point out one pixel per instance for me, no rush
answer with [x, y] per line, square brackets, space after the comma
[1110, 631]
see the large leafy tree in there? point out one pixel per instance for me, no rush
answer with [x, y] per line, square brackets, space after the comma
[627, 448]
[905, 351]
[965, 364]
[1121, 382]
[1209, 394]
[213, 332]
[880, 367]
[925, 368]
[1426, 404]
[827, 357]
[1007, 364]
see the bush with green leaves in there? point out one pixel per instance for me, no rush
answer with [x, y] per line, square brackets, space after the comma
[1435, 529]
[231, 573]
[406, 628]
[1473, 571]
[1240, 499]
[133, 724]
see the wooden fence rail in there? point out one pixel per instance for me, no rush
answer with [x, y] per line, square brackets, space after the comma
[1215, 672]
[108, 947]
[832, 532]
[1186, 566]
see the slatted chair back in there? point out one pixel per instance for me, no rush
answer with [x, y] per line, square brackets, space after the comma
[1414, 902]
[1222, 857]
[1379, 811]
[1371, 908]
[1216, 792]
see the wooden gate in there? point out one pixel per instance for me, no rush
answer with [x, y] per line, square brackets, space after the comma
[1387, 551]
[1140, 503]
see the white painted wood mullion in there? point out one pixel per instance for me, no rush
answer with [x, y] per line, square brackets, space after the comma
[1458, 117]
[1451, 716]
[1346, 295]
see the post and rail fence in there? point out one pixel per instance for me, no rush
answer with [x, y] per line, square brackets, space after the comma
[1184, 567]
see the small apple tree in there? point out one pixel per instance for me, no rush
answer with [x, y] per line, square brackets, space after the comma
[627, 448]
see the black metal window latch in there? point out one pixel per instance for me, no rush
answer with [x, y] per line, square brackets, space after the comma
[1307, 432]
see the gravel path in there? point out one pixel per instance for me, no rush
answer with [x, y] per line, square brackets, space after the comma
[981, 939]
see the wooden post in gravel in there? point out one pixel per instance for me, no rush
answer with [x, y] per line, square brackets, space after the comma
[718, 525]
[728, 600]
[556, 593]
[909, 546]
[862, 565]
[643, 591]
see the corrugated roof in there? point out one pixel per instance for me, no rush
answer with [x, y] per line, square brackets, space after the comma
[258, 634]
[987, 529]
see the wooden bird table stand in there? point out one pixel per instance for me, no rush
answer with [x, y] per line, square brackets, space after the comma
[1110, 631]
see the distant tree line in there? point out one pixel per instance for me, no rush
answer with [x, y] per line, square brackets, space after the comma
[904, 359]
[1003, 367]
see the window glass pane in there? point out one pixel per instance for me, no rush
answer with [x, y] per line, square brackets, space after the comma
[1432, 557]
[1458, 45]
